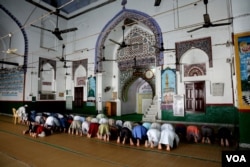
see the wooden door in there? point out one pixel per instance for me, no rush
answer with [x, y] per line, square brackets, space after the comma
[195, 96]
[78, 101]
[199, 96]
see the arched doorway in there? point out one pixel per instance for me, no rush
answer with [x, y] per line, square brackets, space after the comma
[195, 65]
[139, 97]
[117, 63]
[80, 88]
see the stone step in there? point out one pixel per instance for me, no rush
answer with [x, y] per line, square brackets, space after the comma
[145, 119]
[153, 106]
[150, 116]
[151, 112]
[152, 109]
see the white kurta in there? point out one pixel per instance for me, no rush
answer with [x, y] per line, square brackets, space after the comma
[50, 121]
[168, 136]
[155, 125]
[21, 112]
[154, 136]
[39, 119]
[78, 118]
[167, 126]
[128, 124]
[85, 127]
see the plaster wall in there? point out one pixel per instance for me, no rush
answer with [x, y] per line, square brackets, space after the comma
[174, 18]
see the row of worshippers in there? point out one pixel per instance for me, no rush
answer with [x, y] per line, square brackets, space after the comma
[44, 124]
[126, 132]
[150, 134]
[134, 133]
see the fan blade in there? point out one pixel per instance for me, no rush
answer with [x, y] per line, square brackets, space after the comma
[195, 29]
[11, 51]
[67, 60]
[115, 42]
[68, 30]
[14, 53]
[58, 35]
[161, 49]
[220, 24]
[41, 28]
[169, 50]
[9, 63]
[109, 60]
[66, 66]
[63, 60]
[59, 58]
[102, 59]
[25, 67]
[135, 44]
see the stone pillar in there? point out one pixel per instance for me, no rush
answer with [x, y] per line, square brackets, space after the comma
[158, 90]
[99, 105]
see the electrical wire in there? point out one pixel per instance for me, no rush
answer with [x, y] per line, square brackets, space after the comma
[98, 33]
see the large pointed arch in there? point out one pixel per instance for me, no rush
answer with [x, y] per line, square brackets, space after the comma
[121, 16]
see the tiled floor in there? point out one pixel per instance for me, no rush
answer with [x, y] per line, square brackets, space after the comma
[20, 150]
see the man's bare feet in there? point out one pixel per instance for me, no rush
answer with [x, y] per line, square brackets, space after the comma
[25, 132]
[151, 144]
[118, 140]
[131, 142]
[227, 143]
[124, 141]
[138, 143]
[168, 148]
[105, 138]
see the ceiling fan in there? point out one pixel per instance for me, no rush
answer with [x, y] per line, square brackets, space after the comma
[101, 59]
[162, 49]
[65, 65]
[25, 67]
[62, 59]
[11, 50]
[57, 32]
[207, 22]
[123, 43]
